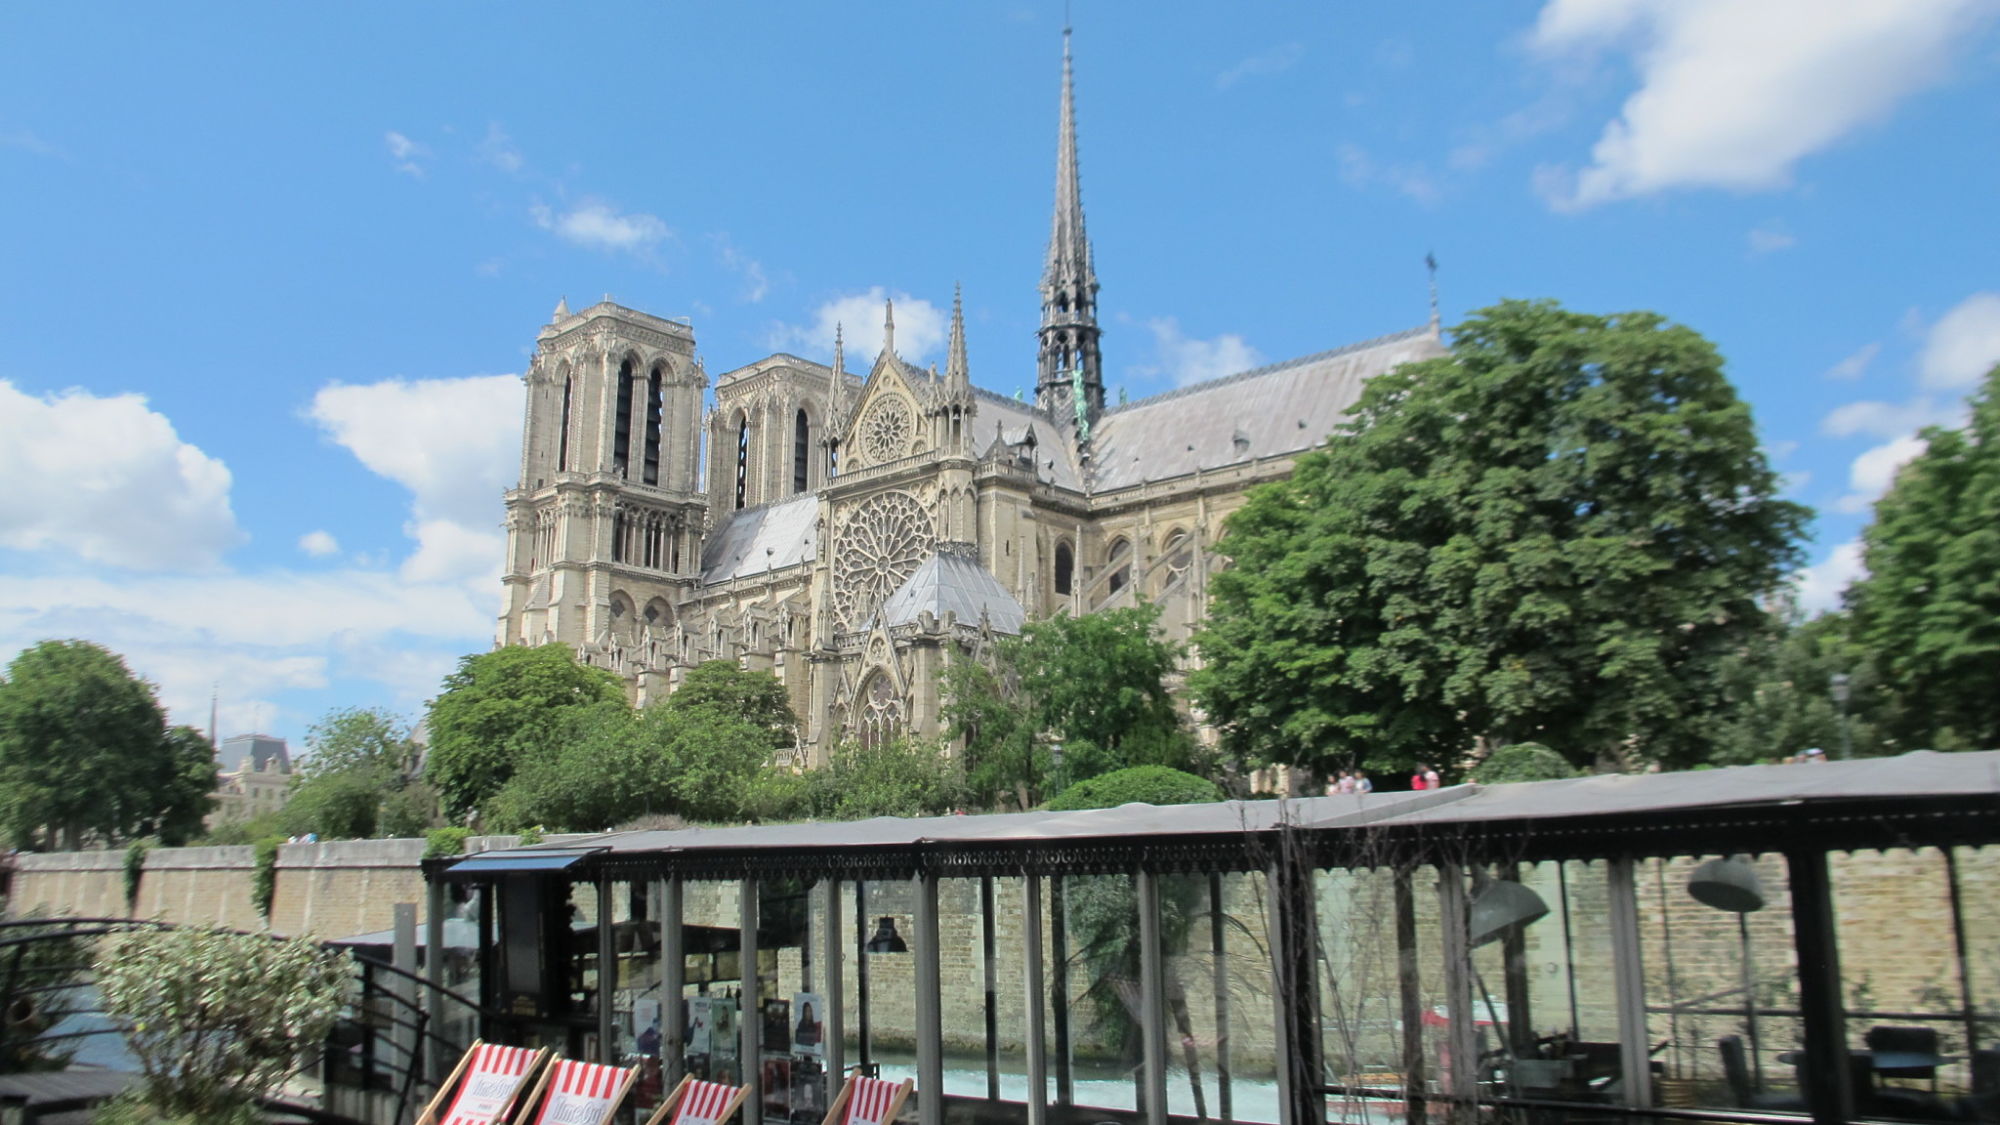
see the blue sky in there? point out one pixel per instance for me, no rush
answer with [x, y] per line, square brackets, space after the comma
[267, 271]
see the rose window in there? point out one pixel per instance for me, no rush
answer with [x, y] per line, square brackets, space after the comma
[885, 432]
[876, 549]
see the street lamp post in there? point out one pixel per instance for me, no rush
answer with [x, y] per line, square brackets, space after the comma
[1841, 688]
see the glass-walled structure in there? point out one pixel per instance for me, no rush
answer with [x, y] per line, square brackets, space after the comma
[1737, 945]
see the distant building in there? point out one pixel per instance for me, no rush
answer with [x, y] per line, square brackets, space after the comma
[254, 771]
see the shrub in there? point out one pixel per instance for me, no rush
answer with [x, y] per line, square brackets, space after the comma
[135, 869]
[216, 1018]
[1150, 785]
[441, 843]
[264, 873]
[1522, 761]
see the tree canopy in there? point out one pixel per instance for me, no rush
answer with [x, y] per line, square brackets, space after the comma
[1150, 785]
[754, 697]
[1096, 685]
[86, 754]
[903, 777]
[1555, 533]
[1929, 608]
[358, 778]
[497, 707]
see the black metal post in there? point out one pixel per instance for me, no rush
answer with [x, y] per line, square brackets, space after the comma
[1220, 955]
[1827, 1090]
[986, 945]
[1059, 985]
[1410, 1001]
[867, 1059]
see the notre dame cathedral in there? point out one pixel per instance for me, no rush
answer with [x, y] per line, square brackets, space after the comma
[853, 532]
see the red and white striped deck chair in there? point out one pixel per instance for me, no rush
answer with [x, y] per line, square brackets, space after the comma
[868, 1101]
[483, 1086]
[695, 1102]
[577, 1093]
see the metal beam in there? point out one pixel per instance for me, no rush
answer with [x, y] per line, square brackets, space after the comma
[673, 981]
[1454, 920]
[992, 1013]
[435, 904]
[607, 969]
[1410, 997]
[1038, 1067]
[750, 1016]
[1828, 1092]
[834, 976]
[1635, 1068]
[930, 1021]
[1152, 1001]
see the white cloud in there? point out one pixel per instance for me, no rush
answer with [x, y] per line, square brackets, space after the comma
[108, 479]
[1733, 95]
[1875, 470]
[1964, 344]
[1888, 419]
[319, 544]
[596, 225]
[1277, 60]
[755, 284]
[920, 328]
[406, 153]
[454, 443]
[1361, 171]
[498, 149]
[1820, 585]
[1770, 238]
[1855, 365]
[1185, 359]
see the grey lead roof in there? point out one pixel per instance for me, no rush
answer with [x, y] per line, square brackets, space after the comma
[1013, 420]
[949, 582]
[1280, 409]
[754, 540]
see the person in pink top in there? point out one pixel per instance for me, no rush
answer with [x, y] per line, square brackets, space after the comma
[1417, 779]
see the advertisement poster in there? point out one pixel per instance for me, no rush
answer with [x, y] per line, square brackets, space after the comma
[701, 1024]
[722, 1033]
[809, 1030]
[777, 1032]
[777, 1086]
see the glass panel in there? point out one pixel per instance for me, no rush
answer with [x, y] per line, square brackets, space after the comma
[637, 1010]
[890, 1002]
[1721, 977]
[1220, 1011]
[784, 962]
[1910, 1030]
[712, 993]
[1101, 988]
[962, 979]
[1360, 990]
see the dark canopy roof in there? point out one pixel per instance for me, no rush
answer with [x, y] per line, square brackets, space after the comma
[1921, 798]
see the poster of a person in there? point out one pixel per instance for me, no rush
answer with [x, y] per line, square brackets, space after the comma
[701, 1024]
[809, 1033]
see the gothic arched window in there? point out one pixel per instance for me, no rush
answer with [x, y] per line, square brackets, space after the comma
[801, 452]
[562, 442]
[1065, 569]
[878, 718]
[621, 443]
[742, 460]
[1118, 561]
[653, 381]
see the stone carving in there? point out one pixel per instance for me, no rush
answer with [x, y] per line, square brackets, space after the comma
[886, 431]
[878, 546]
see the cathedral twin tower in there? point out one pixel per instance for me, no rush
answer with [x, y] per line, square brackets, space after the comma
[854, 532]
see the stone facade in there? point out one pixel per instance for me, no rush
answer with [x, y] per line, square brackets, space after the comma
[795, 538]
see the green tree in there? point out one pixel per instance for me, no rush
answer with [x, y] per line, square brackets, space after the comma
[1095, 685]
[359, 761]
[1556, 533]
[757, 698]
[1778, 694]
[85, 753]
[1929, 609]
[498, 706]
[903, 777]
[608, 765]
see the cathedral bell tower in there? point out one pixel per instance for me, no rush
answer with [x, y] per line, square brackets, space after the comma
[604, 530]
[1069, 374]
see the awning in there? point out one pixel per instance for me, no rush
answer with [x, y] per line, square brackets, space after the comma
[517, 861]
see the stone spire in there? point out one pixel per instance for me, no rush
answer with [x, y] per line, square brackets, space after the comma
[956, 372]
[1069, 363]
[836, 394]
[889, 327]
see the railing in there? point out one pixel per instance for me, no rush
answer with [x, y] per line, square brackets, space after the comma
[375, 1056]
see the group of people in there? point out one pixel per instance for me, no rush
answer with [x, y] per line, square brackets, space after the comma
[1425, 777]
[1812, 757]
[1350, 781]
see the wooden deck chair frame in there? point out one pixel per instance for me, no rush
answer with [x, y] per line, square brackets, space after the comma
[442, 1100]
[836, 1114]
[629, 1075]
[665, 1114]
